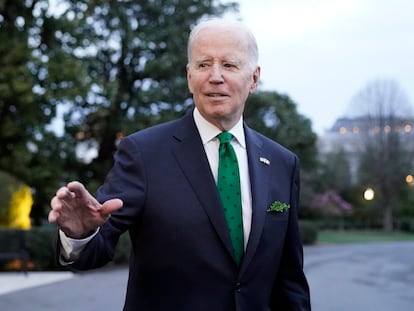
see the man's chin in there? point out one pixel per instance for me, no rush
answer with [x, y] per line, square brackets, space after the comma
[224, 121]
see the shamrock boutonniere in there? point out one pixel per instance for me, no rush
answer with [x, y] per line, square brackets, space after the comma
[278, 206]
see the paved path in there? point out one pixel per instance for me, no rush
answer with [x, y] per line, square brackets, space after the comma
[100, 290]
[377, 277]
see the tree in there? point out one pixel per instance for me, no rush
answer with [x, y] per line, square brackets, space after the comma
[276, 116]
[387, 150]
[109, 67]
[27, 146]
[134, 55]
[330, 205]
[20, 118]
[334, 172]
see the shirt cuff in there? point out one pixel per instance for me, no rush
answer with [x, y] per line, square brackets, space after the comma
[71, 248]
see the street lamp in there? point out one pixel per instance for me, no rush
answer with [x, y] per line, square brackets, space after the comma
[369, 194]
[409, 179]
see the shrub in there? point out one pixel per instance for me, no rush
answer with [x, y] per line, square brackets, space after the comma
[41, 246]
[40, 243]
[308, 231]
[123, 249]
[405, 224]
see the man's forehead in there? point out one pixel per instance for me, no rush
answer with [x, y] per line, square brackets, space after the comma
[228, 58]
[213, 32]
[220, 43]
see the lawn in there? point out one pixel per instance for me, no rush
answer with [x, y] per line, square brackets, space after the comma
[341, 237]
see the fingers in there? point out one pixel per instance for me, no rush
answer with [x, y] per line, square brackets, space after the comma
[111, 206]
[52, 217]
[78, 189]
[72, 190]
[63, 198]
[74, 201]
[56, 205]
[64, 194]
[75, 194]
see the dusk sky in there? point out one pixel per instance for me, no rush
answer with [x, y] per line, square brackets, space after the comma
[322, 52]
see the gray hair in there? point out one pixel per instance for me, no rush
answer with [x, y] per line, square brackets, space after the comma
[225, 23]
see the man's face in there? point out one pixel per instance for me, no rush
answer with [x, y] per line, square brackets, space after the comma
[219, 75]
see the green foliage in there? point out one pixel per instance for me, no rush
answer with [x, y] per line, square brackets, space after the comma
[23, 110]
[387, 152]
[383, 165]
[405, 224]
[276, 116]
[334, 172]
[331, 183]
[105, 70]
[406, 202]
[40, 244]
[308, 232]
[365, 236]
[28, 149]
[13, 254]
[134, 55]
[123, 249]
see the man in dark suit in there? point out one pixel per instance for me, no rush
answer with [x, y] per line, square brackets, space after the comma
[162, 190]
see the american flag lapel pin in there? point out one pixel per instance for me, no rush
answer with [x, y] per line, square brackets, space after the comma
[264, 160]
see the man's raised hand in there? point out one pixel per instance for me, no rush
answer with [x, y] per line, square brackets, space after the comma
[77, 213]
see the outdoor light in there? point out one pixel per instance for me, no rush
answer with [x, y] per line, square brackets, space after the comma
[369, 194]
[409, 179]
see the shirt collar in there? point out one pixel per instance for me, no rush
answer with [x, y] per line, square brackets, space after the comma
[209, 132]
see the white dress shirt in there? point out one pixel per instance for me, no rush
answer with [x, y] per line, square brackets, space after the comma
[208, 133]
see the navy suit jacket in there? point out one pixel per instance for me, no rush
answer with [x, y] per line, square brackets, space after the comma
[181, 256]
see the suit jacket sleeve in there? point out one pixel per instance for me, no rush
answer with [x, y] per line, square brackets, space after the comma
[126, 182]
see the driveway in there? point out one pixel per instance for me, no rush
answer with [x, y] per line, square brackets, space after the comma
[364, 277]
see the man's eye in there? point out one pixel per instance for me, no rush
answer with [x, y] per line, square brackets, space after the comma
[203, 65]
[229, 65]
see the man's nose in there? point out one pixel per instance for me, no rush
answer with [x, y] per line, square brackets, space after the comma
[216, 74]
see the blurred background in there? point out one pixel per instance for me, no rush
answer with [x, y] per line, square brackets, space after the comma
[337, 88]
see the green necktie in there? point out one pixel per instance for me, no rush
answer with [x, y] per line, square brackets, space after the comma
[228, 184]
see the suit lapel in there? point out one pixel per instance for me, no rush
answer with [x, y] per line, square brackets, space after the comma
[190, 155]
[259, 175]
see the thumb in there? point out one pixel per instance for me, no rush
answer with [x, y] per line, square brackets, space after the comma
[110, 206]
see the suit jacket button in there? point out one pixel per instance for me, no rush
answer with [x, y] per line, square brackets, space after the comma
[238, 287]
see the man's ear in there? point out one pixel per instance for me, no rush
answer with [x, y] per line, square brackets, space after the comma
[189, 78]
[255, 81]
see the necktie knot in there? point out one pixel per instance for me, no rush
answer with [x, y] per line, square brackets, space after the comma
[224, 137]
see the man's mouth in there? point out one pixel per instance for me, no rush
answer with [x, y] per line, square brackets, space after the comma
[216, 95]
